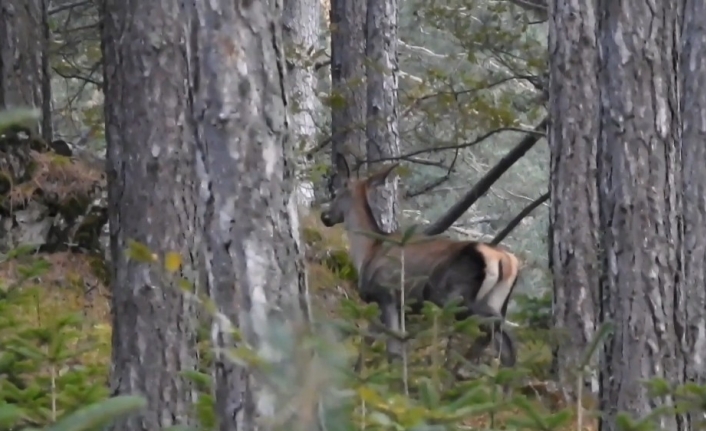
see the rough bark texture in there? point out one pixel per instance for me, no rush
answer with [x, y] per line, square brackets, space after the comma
[348, 87]
[639, 196]
[381, 128]
[301, 28]
[246, 172]
[24, 70]
[692, 302]
[573, 254]
[153, 200]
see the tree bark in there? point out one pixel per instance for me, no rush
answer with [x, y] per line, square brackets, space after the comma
[348, 89]
[573, 231]
[24, 63]
[245, 165]
[381, 128]
[153, 199]
[692, 301]
[639, 196]
[301, 28]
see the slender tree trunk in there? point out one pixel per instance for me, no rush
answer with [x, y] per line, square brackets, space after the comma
[301, 28]
[245, 168]
[382, 131]
[24, 63]
[348, 89]
[691, 316]
[153, 199]
[639, 196]
[574, 128]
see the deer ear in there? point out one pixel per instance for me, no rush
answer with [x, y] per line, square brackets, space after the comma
[341, 164]
[378, 178]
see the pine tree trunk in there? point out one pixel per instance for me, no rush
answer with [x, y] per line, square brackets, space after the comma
[640, 198]
[153, 199]
[301, 28]
[573, 254]
[348, 88]
[24, 62]
[382, 131]
[692, 301]
[245, 168]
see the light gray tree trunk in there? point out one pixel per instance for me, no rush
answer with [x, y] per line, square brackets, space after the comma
[24, 62]
[692, 303]
[640, 200]
[574, 113]
[301, 28]
[382, 128]
[153, 199]
[245, 168]
[348, 85]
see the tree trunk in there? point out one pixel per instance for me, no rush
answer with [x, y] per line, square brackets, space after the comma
[245, 168]
[639, 198]
[573, 231]
[692, 302]
[24, 63]
[301, 28]
[348, 89]
[382, 133]
[153, 199]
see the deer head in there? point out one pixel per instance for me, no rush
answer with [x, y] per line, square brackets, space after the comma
[350, 193]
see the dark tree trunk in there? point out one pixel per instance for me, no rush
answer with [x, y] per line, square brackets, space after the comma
[246, 171]
[24, 63]
[348, 85]
[639, 194]
[692, 301]
[573, 254]
[153, 200]
[381, 127]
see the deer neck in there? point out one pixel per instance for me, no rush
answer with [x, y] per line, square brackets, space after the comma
[359, 222]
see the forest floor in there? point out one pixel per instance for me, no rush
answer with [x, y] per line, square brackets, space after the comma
[69, 286]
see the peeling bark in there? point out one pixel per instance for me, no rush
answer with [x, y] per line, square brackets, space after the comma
[692, 301]
[639, 160]
[573, 254]
[382, 126]
[246, 175]
[348, 88]
[301, 28]
[153, 199]
[24, 63]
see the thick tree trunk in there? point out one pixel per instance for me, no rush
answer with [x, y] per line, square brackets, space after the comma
[24, 63]
[348, 88]
[382, 133]
[301, 28]
[153, 200]
[639, 196]
[574, 110]
[692, 302]
[246, 171]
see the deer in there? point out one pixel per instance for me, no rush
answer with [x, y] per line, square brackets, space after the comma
[437, 269]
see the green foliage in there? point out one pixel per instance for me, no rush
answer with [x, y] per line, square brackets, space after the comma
[43, 374]
[18, 117]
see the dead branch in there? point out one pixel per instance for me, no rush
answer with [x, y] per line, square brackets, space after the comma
[518, 218]
[482, 186]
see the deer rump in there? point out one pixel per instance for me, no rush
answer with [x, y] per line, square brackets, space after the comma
[458, 276]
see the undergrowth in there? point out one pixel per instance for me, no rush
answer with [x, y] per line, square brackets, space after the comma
[55, 356]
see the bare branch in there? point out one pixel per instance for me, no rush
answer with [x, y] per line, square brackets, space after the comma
[482, 186]
[518, 218]
[68, 6]
[436, 183]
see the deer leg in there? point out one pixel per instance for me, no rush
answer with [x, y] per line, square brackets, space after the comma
[508, 354]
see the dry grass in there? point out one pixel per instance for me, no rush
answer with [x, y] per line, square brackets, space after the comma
[59, 178]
